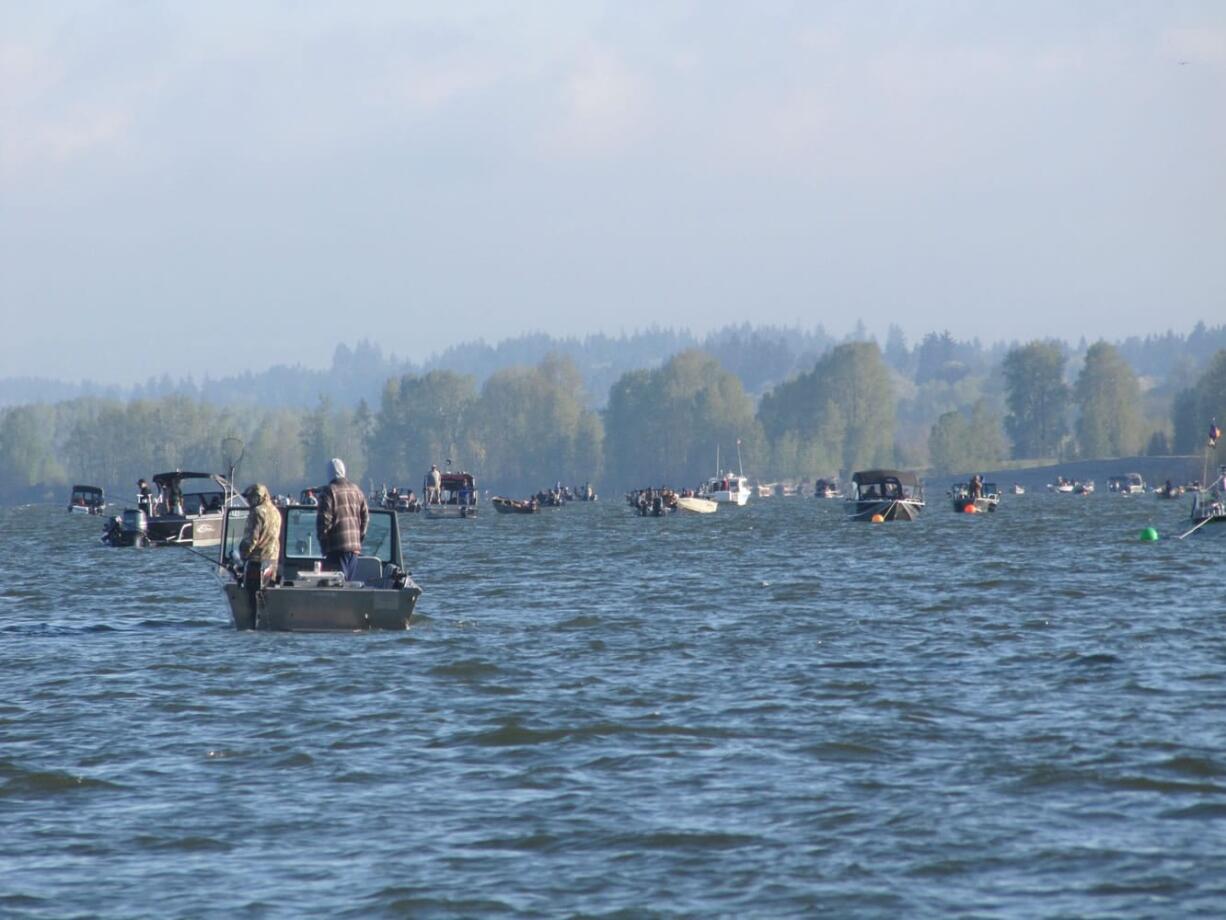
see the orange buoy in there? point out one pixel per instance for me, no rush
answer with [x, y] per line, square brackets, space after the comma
[878, 519]
[969, 509]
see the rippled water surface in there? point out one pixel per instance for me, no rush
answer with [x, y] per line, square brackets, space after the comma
[770, 710]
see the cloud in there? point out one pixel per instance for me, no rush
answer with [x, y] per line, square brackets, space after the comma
[602, 109]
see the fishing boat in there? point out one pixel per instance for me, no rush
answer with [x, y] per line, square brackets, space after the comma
[764, 489]
[1169, 490]
[1061, 485]
[827, 488]
[987, 501]
[888, 495]
[1019, 489]
[305, 597]
[727, 488]
[457, 497]
[1128, 484]
[1084, 488]
[86, 500]
[188, 512]
[512, 506]
[696, 505]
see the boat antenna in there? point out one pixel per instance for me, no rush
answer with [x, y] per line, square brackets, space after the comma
[232, 452]
[740, 466]
[717, 458]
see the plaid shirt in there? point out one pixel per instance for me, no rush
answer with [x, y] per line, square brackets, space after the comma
[342, 518]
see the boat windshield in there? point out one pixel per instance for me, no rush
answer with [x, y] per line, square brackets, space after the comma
[302, 543]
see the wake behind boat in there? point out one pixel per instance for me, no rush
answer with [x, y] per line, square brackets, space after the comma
[887, 495]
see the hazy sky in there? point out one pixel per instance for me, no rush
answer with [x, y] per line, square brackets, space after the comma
[298, 174]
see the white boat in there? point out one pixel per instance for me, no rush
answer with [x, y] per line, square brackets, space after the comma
[1128, 484]
[728, 489]
[1019, 489]
[827, 488]
[1061, 485]
[1084, 488]
[696, 505]
[765, 489]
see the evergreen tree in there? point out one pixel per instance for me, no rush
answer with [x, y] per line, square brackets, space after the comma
[1037, 398]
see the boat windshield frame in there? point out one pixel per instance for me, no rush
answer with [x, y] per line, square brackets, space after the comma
[888, 485]
[382, 536]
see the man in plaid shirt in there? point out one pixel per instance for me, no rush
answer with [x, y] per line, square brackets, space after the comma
[342, 520]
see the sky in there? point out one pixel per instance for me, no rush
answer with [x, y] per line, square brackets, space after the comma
[206, 188]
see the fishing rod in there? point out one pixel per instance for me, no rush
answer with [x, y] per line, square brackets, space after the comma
[228, 566]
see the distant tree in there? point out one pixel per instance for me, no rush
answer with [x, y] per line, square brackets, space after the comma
[1195, 408]
[948, 443]
[1158, 445]
[664, 425]
[1109, 398]
[535, 429]
[957, 444]
[842, 411]
[1037, 398]
[423, 420]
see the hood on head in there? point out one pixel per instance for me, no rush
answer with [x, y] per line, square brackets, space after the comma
[255, 494]
[336, 469]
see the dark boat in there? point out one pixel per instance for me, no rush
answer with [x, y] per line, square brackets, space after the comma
[892, 495]
[189, 510]
[988, 500]
[86, 500]
[305, 597]
[512, 506]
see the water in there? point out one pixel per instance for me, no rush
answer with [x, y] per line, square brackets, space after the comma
[765, 711]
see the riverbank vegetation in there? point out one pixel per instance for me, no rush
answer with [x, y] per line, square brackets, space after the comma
[809, 407]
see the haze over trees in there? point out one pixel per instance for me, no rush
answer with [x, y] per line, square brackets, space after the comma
[821, 409]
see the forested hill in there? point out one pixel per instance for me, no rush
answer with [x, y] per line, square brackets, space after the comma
[761, 356]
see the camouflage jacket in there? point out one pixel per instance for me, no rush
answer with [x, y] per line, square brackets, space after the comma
[263, 534]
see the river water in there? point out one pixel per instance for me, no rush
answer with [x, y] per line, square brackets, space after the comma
[766, 711]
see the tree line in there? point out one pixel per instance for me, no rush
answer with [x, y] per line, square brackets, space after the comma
[526, 427]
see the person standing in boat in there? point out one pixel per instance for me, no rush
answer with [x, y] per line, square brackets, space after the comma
[342, 519]
[260, 548]
[434, 485]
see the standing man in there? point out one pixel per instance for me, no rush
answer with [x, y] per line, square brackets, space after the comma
[260, 548]
[342, 520]
[436, 484]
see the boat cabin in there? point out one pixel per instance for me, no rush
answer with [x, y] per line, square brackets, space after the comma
[1129, 484]
[305, 595]
[86, 500]
[458, 489]
[300, 549]
[895, 485]
[189, 507]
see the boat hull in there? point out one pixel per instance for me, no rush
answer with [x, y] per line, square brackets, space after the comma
[459, 512]
[890, 509]
[697, 505]
[509, 506]
[982, 505]
[330, 609]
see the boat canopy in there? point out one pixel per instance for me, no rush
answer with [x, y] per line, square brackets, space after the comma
[903, 477]
[453, 482]
[86, 490]
[165, 479]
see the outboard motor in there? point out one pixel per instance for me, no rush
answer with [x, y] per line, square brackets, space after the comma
[131, 529]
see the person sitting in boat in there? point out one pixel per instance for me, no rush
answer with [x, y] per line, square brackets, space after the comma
[261, 544]
[342, 520]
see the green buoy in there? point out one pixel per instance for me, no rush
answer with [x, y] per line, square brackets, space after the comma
[1149, 535]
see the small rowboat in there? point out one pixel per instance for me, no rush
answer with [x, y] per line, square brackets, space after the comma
[697, 505]
[511, 506]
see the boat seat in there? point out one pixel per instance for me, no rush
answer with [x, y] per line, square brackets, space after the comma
[367, 570]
